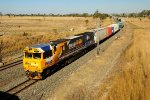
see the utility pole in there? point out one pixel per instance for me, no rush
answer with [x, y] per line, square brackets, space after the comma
[97, 34]
[1, 46]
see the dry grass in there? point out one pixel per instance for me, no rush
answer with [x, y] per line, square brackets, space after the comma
[140, 22]
[131, 80]
[24, 31]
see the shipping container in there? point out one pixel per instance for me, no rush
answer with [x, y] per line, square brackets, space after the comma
[100, 34]
[120, 25]
[109, 31]
[115, 27]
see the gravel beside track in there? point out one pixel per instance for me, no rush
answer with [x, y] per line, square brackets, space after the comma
[17, 89]
[11, 74]
[13, 64]
[12, 83]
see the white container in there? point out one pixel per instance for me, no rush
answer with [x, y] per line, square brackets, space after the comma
[115, 27]
[100, 34]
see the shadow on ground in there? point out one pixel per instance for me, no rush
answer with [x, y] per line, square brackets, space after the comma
[6, 96]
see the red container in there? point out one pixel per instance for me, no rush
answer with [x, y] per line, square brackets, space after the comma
[109, 31]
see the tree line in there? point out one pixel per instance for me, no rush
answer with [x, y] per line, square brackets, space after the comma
[96, 14]
[144, 13]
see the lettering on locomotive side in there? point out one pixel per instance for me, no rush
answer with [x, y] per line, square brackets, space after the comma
[75, 44]
[87, 37]
[80, 42]
[72, 45]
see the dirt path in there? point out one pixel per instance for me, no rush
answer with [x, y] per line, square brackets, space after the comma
[83, 83]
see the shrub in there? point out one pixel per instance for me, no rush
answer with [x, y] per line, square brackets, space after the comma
[25, 34]
[86, 21]
[55, 31]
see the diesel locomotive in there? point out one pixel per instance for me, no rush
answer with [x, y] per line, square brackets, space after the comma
[38, 58]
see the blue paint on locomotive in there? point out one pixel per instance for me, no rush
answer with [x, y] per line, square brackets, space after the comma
[44, 47]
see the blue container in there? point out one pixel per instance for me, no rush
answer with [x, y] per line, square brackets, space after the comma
[113, 30]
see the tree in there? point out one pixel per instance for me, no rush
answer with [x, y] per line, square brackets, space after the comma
[144, 13]
[85, 15]
[9, 15]
[87, 21]
[96, 14]
[100, 15]
[132, 15]
[1, 14]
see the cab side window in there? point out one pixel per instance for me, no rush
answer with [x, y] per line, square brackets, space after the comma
[54, 48]
[47, 54]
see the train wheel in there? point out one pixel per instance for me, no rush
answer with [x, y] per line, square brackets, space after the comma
[66, 63]
[69, 60]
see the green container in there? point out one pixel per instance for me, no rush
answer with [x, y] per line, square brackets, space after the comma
[120, 25]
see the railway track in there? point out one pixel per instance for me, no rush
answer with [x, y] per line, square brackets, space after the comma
[10, 65]
[17, 89]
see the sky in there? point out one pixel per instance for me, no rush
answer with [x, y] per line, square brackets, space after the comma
[72, 6]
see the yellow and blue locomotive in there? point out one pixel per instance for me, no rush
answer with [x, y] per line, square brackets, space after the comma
[40, 57]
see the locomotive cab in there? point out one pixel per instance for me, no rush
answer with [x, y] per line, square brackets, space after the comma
[39, 59]
[36, 59]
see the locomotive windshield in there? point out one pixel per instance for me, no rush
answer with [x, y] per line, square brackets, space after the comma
[33, 55]
[28, 55]
[36, 55]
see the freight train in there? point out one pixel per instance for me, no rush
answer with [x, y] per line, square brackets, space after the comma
[41, 57]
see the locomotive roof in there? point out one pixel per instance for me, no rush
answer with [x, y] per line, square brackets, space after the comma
[44, 47]
[57, 41]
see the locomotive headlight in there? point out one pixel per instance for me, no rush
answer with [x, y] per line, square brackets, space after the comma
[34, 64]
[27, 63]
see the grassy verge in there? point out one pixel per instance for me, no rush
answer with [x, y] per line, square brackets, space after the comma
[131, 79]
